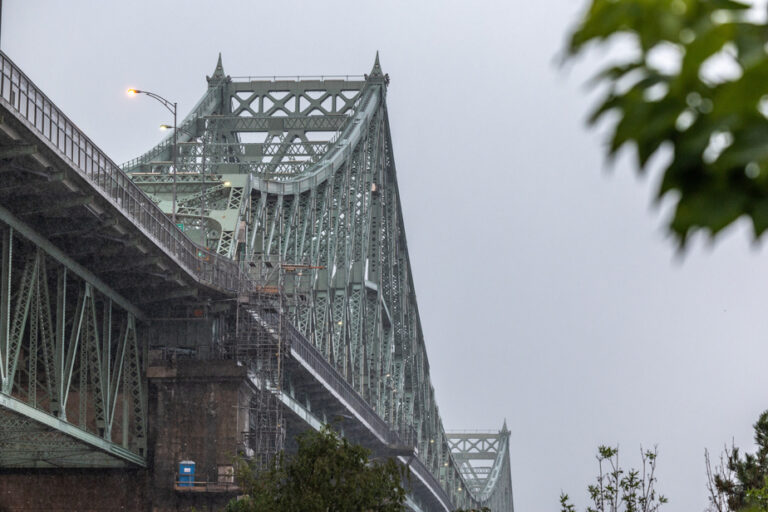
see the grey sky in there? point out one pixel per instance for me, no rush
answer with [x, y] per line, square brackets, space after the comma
[548, 291]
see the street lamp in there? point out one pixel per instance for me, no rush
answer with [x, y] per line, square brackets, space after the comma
[202, 183]
[171, 106]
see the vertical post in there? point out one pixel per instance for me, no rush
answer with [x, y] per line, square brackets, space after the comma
[202, 199]
[84, 335]
[126, 412]
[5, 303]
[59, 357]
[106, 365]
[175, 167]
[34, 325]
[280, 317]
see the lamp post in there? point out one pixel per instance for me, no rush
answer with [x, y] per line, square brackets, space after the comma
[171, 106]
[202, 175]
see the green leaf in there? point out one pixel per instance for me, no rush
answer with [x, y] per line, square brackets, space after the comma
[711, 194]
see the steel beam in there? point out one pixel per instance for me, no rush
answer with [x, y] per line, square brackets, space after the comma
[25, 230]
[91, 440]
[5, 302]
[334, 206]
[16, 150]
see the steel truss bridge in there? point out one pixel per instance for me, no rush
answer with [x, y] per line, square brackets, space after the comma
[293, 174]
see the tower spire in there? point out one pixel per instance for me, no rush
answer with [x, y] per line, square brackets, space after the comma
[376, 73]
[218, 74]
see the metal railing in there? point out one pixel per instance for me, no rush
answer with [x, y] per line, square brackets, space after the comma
[204, 486]
[405, 436]
[149, 155]
[418, 467]
[205, 105]
[38, 113]
[297, 78]
[304, 349]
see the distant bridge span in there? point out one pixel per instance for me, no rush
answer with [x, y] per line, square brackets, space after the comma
[289, 229]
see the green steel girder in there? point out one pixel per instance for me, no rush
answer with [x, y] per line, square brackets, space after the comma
[64, 360]
[322, 193]
[5, 303]
[31, 438]
[484, 465]
[17, 150]
[18, 226]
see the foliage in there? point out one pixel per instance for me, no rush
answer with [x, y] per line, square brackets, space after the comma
[740, 482]
[617, 490]
[694, 85]
[327, 474]
[757, 499]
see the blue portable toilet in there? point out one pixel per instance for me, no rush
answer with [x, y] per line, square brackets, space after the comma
[186, 473]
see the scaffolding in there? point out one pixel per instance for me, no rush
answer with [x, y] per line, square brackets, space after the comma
[261, 343]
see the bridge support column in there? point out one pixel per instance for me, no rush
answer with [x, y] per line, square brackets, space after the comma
[199, 411]
[73, 489]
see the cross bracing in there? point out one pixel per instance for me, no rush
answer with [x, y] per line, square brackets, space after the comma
[71, 370]
[312, 163]
[85, 253]
[329, 205]
[483, 460]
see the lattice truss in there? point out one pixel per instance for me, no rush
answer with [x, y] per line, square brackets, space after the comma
[276, 130]
[320, 192]
[70, 357]
[483, 461]
[27, 443]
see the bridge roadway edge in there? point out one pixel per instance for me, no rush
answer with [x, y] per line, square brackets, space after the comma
[183, 280]
[159, 498]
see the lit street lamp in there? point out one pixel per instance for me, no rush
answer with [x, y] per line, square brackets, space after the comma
[202, 176]
[171, 106]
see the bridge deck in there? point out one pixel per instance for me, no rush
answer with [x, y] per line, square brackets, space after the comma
[62, 184]
[68, 198]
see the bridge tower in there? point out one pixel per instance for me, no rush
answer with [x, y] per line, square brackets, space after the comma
[283, 299]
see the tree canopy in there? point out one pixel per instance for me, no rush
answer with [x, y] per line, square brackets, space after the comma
[326, 474]
[695, 84]
[740, 482]
[619, 490]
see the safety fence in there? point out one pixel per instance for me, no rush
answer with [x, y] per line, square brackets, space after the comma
[20, 96]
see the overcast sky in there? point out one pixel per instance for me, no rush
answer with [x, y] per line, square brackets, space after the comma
[549, 293]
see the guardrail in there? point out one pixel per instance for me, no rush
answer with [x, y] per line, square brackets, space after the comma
[205, 104]
[20, 96]
[422, 471]
[298, 78]
[304, 349]
[148, 156]
[213, 487]
[394, 439]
